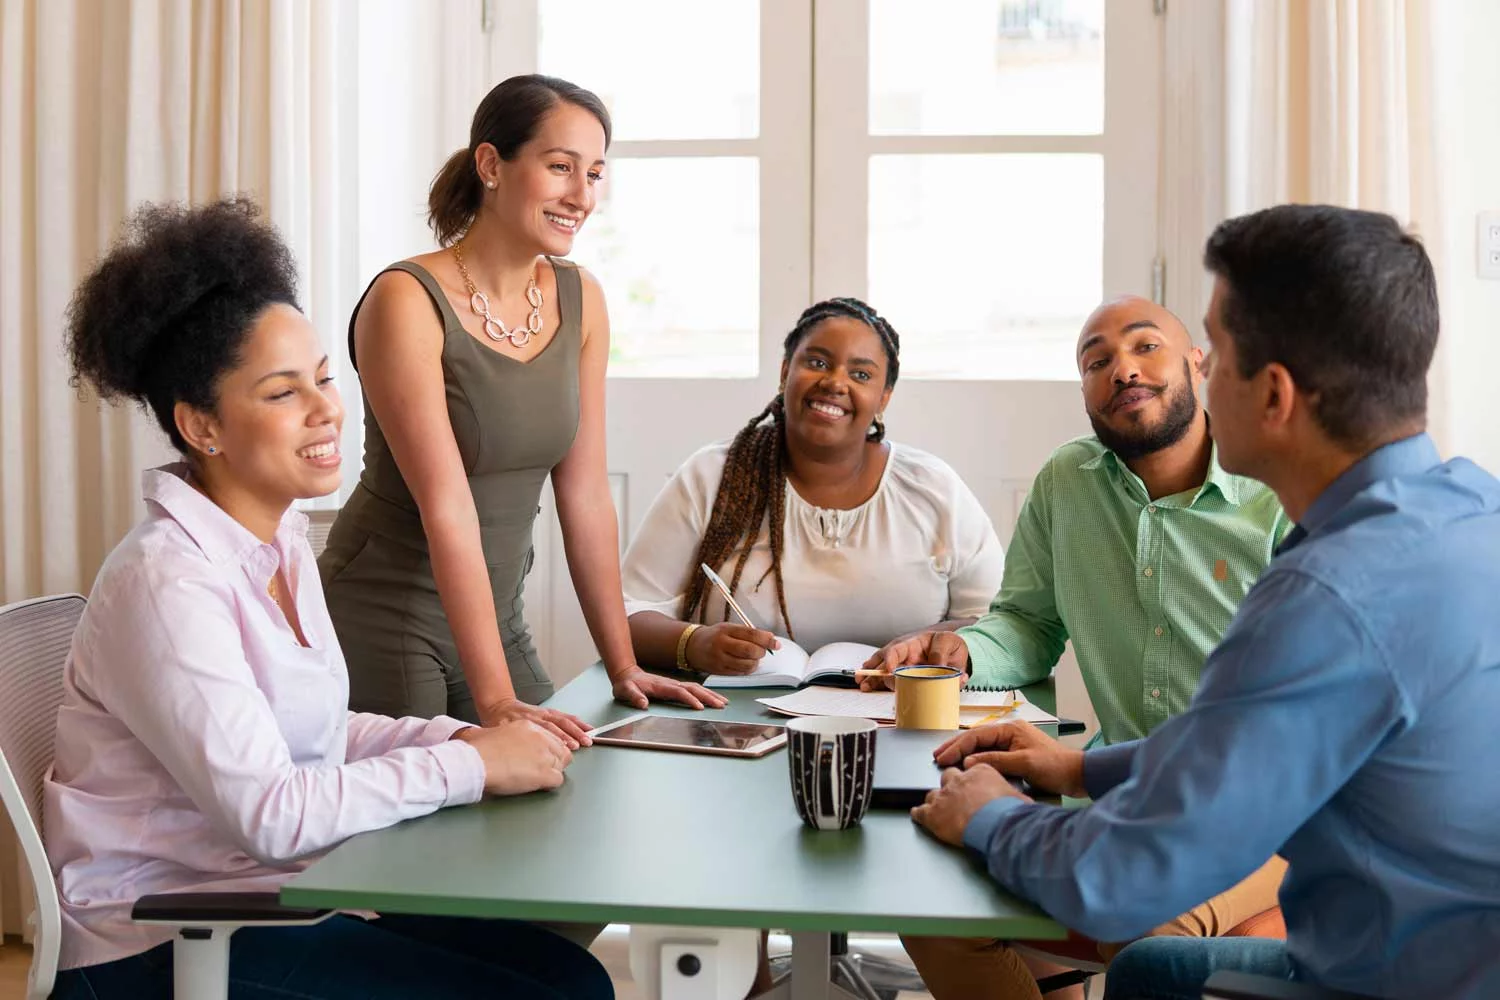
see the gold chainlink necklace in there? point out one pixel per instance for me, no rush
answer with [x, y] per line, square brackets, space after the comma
[479, 304]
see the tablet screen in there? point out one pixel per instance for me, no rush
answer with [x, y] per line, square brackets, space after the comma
[707, 734]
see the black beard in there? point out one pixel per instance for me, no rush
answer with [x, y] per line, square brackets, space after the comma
[1182, 408]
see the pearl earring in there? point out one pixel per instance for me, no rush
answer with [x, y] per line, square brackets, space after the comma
[490, 185]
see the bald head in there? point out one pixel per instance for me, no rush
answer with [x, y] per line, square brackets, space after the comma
[1139, 373]
[1126, 314]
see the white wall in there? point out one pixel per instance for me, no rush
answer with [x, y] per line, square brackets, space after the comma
[400, 134]
[1466, 410]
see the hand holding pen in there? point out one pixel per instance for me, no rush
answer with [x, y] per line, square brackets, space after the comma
[734, 648]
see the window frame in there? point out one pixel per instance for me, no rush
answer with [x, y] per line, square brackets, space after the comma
[782, 146]
[843, 145]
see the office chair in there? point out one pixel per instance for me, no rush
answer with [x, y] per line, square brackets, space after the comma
[867, 977]
[34, 639]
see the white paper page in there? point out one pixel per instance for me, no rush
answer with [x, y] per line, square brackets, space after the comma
[790, 660]
[840, 656]
[881, 705]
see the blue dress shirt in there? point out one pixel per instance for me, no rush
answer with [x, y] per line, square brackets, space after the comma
[1349, 721]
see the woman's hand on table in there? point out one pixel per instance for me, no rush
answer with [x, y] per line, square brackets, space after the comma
[573, 731]
[519, 756]
[637, 688]
[729, 648]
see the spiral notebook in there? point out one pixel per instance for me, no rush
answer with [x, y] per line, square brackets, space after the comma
[975, 707]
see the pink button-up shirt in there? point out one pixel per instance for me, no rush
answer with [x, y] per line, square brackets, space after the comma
[200, 747]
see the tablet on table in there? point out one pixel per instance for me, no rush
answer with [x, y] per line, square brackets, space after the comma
[673, 732]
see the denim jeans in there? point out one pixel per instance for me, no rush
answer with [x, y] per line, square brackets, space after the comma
[1175, 968]
[345, 958]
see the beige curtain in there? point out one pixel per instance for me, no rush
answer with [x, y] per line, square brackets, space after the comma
[1329, 100]
[105, 104]
[1335, 101]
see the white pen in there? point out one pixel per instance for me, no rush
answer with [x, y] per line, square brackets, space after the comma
[713, 578]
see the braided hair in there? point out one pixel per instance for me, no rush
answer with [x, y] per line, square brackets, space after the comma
[753, 487]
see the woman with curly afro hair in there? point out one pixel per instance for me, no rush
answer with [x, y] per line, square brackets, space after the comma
[204, 742]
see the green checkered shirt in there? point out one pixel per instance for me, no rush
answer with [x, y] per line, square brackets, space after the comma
[1144, 588]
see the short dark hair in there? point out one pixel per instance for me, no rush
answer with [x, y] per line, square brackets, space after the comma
[507, 119]
[166, 312]
[1345, 299]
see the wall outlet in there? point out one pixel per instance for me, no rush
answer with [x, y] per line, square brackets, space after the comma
[1487, 236]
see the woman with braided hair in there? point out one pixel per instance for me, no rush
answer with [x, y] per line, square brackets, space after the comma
[824, 530]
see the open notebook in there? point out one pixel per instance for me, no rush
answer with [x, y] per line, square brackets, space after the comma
[792, 666]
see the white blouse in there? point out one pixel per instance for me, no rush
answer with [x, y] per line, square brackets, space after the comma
[200, 747]
[919, 551]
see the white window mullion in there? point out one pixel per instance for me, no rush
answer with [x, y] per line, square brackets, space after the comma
[786, 191]
[1132, 127]
[626, 149]
[888, 144]
[841, 148]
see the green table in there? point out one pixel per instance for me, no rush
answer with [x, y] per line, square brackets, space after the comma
[647, 837]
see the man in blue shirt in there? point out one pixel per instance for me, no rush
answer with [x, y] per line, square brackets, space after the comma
[1347, 720]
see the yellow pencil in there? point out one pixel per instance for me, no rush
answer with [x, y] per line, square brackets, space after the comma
[992, 717]
[995, 715]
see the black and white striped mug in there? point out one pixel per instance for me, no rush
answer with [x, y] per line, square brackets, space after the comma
[832, 764]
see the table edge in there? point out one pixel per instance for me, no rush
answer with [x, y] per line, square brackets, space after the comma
[1040, 927]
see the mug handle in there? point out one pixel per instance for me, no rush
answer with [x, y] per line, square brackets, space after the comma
[830, 793]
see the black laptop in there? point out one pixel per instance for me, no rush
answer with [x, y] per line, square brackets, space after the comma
[904, 769]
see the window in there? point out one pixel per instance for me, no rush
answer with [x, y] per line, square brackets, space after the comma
[997, 172]
[983, 172]
[987, 67]
[676, 239]
[986, 262]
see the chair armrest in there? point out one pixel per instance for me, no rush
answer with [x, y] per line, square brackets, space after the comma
[1241, 986]
[219, 907]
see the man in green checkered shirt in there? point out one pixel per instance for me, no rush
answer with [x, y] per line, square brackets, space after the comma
[1138, 547]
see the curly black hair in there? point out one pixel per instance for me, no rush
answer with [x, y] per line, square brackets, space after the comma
[165, 313]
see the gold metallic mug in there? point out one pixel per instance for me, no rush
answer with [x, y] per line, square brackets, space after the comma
[928, 697]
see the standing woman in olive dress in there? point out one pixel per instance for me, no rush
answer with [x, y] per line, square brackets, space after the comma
[482, 366]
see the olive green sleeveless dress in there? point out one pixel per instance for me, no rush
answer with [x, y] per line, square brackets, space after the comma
[513, 422]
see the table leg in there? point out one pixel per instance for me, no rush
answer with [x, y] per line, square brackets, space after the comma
[811, 970]
[810, 965]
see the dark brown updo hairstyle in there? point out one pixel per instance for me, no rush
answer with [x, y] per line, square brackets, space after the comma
[754, 483]
[507, 119]
[164, 315]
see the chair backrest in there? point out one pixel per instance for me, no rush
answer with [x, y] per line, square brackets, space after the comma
[319, 524]
[34, 640]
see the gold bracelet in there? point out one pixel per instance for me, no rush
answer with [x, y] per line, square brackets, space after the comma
[682, 641]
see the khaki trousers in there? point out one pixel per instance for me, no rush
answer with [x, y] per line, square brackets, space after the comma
[972, 968]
